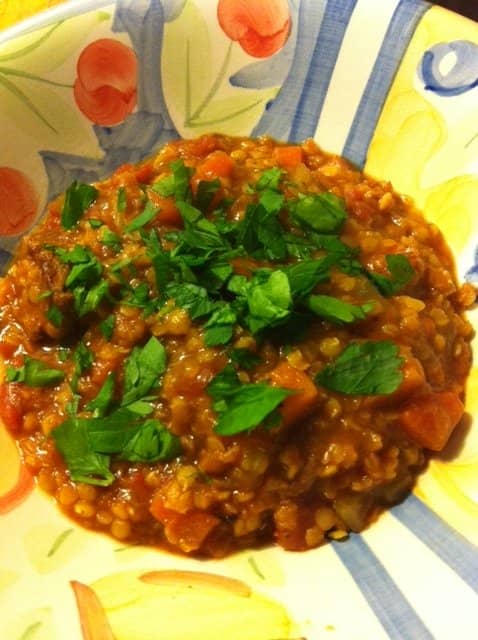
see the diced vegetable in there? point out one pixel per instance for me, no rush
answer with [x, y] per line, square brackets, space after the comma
[431, 419]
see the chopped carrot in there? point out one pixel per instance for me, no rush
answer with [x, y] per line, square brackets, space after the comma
[300, 404]
[218, 164]
[168, 212]
[430, 420]
[186, 530]
[413, 378]
[288, 157]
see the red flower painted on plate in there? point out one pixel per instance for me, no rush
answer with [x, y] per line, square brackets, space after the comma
[105, 89]
[260, 26]
[18, 202]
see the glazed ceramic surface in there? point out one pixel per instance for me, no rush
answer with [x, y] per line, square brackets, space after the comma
[392, 85]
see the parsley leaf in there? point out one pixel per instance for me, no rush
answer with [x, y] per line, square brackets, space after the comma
[305, 275]
[336, 310]
[401, 272]
[324, 212]
[177, 183]
[78, 197]
[87, 300]
[142, 219]
[261, 232]
[152, 442]
[87, 443]
[205, 194]
[191, 297]
[269, 179]
[34, 373]
[100, 404]
[199, 232]
[142, 370]
[111, 240]
[121, 200]
[83, 359]
[244, 358]
[55, 316]
[107, 327]
[84, 464]
[220, 326]
[269, 300]
[241, 407]
[364, 368]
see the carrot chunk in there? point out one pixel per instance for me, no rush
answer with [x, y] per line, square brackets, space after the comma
[298, 405]
[217, 164]
[430, 420]
[168, 211]
[288, 157]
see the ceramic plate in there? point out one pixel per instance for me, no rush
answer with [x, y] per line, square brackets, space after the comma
[391, 85]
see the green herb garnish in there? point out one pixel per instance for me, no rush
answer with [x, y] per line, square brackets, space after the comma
[141, 220]
[55, 316]
[142, 370]
[324, 213]
[121, 200]
[34, 373]
[241, 407]
[364, 368]
[78, 197]
[401, 272]
[338, 311]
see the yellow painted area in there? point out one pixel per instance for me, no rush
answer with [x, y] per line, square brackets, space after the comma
[418, 144]
[417, 149]
[10, 461]
[187, 606]
[12, 11]
[7, 578]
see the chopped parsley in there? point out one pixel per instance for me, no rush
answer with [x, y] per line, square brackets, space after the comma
[78, 197]
[242, 407]
[34, 373]
[290, 246]
[401, 272]
[364, 368]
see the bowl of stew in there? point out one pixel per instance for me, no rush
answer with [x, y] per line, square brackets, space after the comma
[238, 254]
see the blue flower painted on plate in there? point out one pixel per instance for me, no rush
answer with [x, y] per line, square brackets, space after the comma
[445, 80]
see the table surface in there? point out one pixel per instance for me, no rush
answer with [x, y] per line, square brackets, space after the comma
[12, 11]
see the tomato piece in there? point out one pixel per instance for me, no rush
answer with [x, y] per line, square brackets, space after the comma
[300, 404]
[144, 173]
[288, 157]
[431, 419]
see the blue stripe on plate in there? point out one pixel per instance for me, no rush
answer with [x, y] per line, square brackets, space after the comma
[399, 33]
[277, 119]
[455, 550]
[322, 65]
[5, 257]
[393, 610]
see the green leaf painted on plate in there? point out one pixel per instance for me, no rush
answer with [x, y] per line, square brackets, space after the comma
[233, 114]
[46, 49]
[183, 38]
[46, 112]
